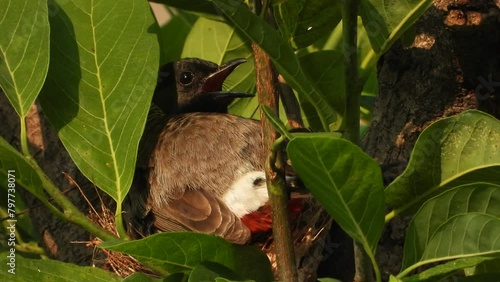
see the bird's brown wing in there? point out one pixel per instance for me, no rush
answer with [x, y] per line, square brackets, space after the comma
[199, 211]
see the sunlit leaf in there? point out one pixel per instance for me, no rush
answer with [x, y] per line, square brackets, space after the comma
[24, 51]
[52, 270]
[453, 151]
[103, 70]
[346, 181]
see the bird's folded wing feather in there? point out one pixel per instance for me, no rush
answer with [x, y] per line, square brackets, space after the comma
[199, 211]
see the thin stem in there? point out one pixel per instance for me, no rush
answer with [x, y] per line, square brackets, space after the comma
[350, 50]
[363, 261]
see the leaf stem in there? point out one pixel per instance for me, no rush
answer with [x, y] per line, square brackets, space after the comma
[119, 221]
[390, 216]
[24, 137]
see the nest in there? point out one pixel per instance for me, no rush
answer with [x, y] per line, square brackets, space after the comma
[309, 231]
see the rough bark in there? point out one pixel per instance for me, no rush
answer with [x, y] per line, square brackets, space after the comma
[452, 65]
[61, 240]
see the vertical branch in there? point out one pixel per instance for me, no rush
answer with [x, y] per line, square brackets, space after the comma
[353, 92]
[350, 51]
[267, 89]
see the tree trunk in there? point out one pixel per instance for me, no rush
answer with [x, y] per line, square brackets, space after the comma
[452, 65]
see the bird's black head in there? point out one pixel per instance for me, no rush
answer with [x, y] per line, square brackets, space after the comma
[195, 85]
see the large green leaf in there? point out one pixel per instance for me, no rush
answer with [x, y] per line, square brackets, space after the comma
[326, 69]
[473, 198]
[346, 181]
[452, 151]
[103, 70]
[182, 252]
[51, 270]
[172, 36]
[24, 51]
[304, 22]
[218, 42]
[282, 55]
[385, 21]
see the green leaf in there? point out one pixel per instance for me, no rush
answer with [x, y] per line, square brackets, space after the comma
[385, 21]
[15, 166]
[51, 270]
[198, 7]
[326, 69]
[103, 70]
[464, 235]
[282, 55]
[172, 36]
[141, 277]
[182, 252]
[24, 51]
[304, 22]
[439, 272]
[209, 271]
[453, 151]
[277, 124]
[218, 42]
[473, 198]
[346, 181]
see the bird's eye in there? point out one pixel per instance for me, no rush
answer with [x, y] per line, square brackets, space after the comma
[186, 78]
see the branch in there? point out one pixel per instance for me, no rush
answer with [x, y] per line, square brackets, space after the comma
[363, 265]
[267, 89]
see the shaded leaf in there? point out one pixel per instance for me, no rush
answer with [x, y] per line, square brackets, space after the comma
[326, 69]
[281, 54]
[209, 271]
[304, 22]
[385, 21]
[450, 152]
[182, 252]
[277, 124]
[52, 270]
[24, 51]
[464, 235]
[198, 7]
[101, 78]
[346, 181]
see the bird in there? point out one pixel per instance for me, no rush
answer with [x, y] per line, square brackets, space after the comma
[199, 168]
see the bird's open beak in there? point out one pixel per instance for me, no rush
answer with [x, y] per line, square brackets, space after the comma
[213, 83]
